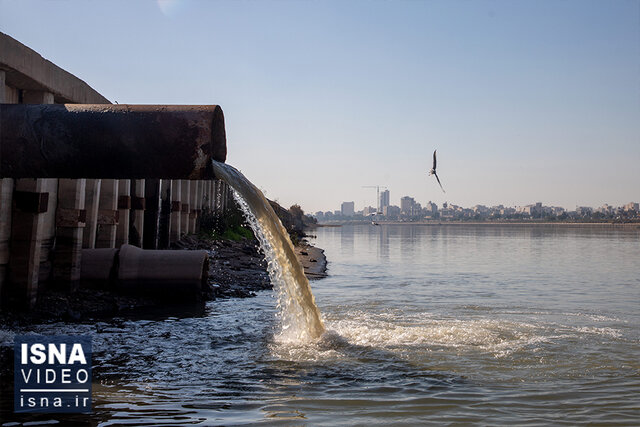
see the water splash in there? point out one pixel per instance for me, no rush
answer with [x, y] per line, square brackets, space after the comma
[300, 317]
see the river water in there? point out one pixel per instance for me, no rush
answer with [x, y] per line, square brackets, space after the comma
[497, 325]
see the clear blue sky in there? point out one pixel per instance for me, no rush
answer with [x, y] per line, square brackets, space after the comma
[525, 100]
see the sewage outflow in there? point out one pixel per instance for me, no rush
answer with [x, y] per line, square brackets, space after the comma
[300, 317]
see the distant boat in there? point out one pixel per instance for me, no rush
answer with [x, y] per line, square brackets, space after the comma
[372, 215]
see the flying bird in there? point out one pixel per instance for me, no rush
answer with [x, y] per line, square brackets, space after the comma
[433, 170]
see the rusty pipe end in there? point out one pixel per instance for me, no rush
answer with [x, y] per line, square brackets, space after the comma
[218, 136]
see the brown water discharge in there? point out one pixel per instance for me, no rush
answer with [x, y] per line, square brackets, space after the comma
[299, 314]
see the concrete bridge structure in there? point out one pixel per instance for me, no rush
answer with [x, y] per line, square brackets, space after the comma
[79, 172]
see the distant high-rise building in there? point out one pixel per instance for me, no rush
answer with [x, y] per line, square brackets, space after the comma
[384, 199]
[391, 211]
[347, 208]
[417, 209]
[406, 205]
[431, 207]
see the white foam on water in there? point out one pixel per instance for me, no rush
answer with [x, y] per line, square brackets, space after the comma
[611, 332]
[359, 332]
[595, 317]
[484, 334]
[353, 333]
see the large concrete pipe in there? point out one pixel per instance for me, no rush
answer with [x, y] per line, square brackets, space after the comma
[159, 274]
[110, 141]
[162, 274]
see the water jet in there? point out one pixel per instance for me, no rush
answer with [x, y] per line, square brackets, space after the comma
[300, 316]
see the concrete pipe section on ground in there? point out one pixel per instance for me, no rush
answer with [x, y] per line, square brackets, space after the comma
[159, 274]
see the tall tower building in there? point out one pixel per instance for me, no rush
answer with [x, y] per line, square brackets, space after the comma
[384, 200]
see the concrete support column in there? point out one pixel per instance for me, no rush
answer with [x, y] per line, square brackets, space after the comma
[176, 210]
[201, 203]
[212, 194]
[225, 197]
[107, 214]
[138, 206]
[152, 189]
[6, 198]
[70, 222]
[91, 205]
[3, 96]
[164, 220]
[37, 97]
[30, 202]
[205, 195]
[124, 206]
[185, 185]
[193, 211]
[49, 185]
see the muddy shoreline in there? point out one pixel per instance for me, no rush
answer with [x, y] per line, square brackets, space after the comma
[237, 269]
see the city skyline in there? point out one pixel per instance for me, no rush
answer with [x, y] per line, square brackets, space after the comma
[412, 210]
[523, 100]
[384, 200]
